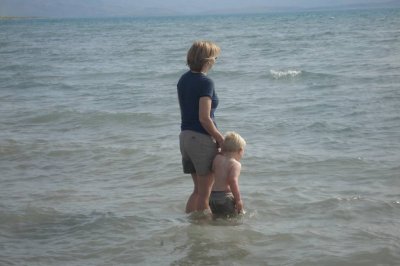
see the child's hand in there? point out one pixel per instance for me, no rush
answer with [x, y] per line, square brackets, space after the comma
[239, 206]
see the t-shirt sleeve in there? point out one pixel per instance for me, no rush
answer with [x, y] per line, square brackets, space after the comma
[207, 88]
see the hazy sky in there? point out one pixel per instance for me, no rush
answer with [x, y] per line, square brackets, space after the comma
[73, 8]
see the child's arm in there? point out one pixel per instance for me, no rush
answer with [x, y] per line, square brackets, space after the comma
[234, 185]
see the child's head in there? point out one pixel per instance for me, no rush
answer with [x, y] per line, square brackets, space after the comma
[233, 142]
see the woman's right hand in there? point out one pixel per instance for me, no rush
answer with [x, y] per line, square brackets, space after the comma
[220, 141]
[207, 122]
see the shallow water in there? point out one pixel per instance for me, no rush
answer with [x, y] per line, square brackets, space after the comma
[89, 157]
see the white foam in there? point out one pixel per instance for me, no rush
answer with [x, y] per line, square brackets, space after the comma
[284, 73]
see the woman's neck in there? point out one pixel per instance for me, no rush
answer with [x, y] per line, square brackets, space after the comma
[199, 72]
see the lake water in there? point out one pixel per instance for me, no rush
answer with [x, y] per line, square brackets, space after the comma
[90, 170]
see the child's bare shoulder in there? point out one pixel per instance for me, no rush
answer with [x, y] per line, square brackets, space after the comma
[236, 163]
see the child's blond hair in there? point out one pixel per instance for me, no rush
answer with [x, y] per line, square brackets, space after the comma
[233, 142]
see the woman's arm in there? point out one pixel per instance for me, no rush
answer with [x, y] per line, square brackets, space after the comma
[206, 121]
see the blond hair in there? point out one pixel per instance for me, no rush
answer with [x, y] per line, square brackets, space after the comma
[202, 53]
[233, 142]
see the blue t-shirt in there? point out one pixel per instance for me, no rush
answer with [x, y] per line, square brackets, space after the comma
[191, 87]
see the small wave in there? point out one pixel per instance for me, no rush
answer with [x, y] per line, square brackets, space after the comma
[39, 222]
[342, 161]
[321, 126]
[9, 147]
[228, 73]
[318, 126]
[279, 74]
[47, 117]
[293, 73]
[29, 216]
[351, 198]
[78, 119]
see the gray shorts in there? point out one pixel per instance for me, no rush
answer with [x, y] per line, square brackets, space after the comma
[198, 151]
[222, 203]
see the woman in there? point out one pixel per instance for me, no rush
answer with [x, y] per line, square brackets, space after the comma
[199, 138]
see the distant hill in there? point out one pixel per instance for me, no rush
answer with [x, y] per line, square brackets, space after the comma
[115, 8]
[383, 4]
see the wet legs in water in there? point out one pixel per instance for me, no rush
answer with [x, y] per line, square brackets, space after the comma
[198, 200]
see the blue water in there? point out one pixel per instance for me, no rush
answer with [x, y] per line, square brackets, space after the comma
[90, 168]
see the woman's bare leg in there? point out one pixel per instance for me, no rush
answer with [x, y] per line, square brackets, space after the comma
[191, 204]
[204, 184]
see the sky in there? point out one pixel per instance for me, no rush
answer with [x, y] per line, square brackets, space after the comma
[101, 8]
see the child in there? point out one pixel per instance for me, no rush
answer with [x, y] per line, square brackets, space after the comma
[225, 196]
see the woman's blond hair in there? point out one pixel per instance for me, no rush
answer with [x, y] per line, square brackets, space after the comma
[202, 53]
[233, 142]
